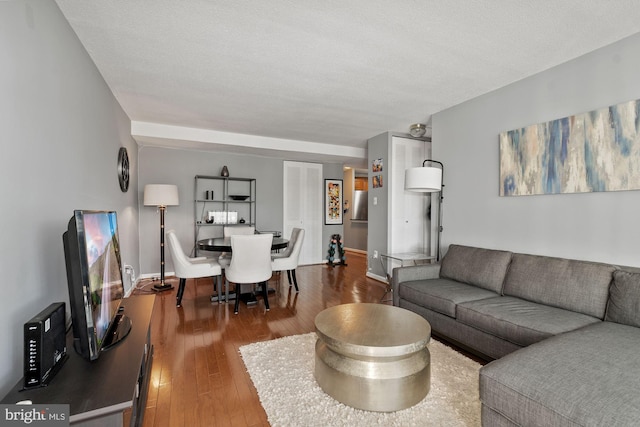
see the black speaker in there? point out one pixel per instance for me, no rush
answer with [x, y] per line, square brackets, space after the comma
[45, 345]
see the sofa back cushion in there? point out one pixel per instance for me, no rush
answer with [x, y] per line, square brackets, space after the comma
[484, 268]
[579, 286]
[624, 299]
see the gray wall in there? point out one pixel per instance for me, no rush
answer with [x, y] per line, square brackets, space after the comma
[378, 147]
[179, 167]
[61, 132]
[591, 226]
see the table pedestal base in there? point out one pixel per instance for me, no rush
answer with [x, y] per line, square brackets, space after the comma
[381, 384]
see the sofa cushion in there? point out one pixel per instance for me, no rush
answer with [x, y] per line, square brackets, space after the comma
[624, 299]
[483, 345]
[579, 286]
[485, 268]
[519, 321]
[587, 377]
[441, 295]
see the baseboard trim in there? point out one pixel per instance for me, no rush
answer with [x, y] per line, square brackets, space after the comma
[358, 251]
[133, 287]
[376, 277]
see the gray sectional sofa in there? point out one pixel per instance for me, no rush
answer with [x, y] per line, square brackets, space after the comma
[565, 334]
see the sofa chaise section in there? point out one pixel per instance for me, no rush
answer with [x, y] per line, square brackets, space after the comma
[587, 377]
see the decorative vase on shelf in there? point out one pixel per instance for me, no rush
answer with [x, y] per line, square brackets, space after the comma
[225, 171]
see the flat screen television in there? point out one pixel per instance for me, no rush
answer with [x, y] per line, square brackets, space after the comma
[94, 277]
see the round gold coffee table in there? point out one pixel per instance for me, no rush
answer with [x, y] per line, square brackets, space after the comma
[373, 356]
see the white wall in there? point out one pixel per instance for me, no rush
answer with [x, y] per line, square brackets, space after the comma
[592, 226]
[60, 132]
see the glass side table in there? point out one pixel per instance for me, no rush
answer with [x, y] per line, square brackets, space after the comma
[390, 261]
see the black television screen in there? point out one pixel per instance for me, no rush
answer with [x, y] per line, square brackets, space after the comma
[94, 276]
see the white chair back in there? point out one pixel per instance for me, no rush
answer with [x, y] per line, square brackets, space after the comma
[238, 230]
[233, 230]
[250, 258]
[180, 261]
[295, 233]
[297, 245]
[188, 268]
[290, 262]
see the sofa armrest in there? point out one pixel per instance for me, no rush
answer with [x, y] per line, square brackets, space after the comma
[414, 272]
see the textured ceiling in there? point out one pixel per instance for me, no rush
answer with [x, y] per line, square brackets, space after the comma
[302, 73]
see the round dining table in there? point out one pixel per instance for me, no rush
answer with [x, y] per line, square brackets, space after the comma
[223, 244]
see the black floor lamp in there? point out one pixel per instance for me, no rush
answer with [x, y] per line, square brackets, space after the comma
[427, 179]
[161, 195]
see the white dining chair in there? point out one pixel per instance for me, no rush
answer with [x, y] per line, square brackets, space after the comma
[233, 230]
[188, 268]
[250, 263]
[288, 259]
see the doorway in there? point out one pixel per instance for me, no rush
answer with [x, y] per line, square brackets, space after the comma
[302, 207]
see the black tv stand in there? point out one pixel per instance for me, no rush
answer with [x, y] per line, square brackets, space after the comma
[119, 331]
[111, 390]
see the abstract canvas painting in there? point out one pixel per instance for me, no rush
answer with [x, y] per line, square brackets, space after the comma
[594, 151]
[333, 201]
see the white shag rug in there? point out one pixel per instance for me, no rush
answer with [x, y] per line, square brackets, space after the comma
[282, 372]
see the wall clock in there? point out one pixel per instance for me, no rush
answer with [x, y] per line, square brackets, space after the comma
[123, 169]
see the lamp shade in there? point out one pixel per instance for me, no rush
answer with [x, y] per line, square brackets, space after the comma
[160, 195]
[424, 179]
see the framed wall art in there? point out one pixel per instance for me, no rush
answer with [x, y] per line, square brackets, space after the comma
[333, 201]
[594, 151]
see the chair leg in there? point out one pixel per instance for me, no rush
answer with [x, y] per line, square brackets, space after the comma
[217, 288]
[180, 292]
[265, 295]
[289, 276]
[237, 304]
[295, 281]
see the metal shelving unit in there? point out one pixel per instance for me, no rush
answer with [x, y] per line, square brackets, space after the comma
[221, 196]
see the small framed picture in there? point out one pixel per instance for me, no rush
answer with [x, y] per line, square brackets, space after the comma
[333, 201]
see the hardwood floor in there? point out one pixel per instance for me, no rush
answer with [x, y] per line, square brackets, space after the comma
[198, 377]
